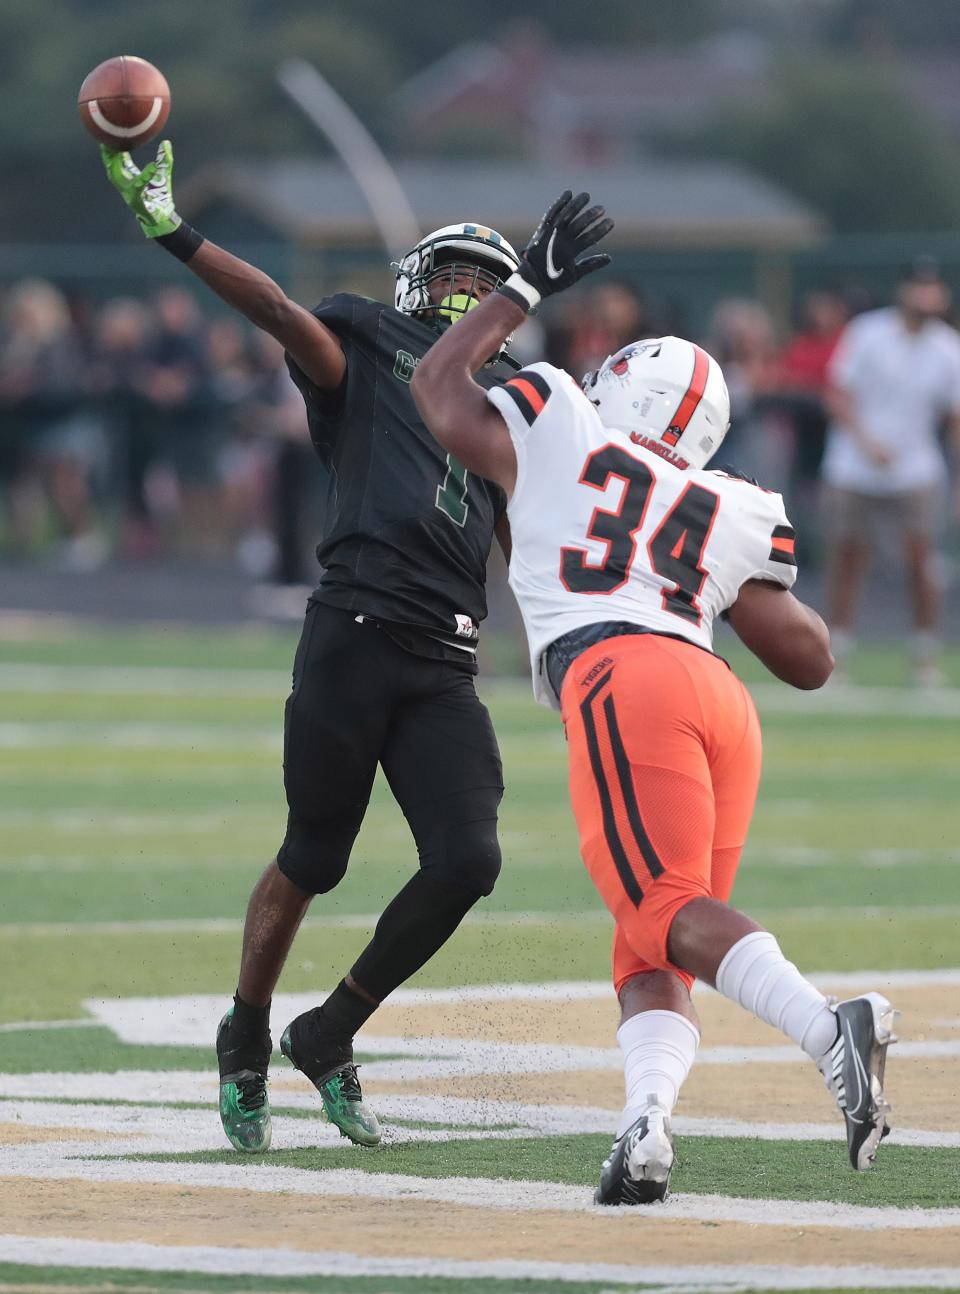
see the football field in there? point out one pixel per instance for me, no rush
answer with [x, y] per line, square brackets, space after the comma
[140, 798]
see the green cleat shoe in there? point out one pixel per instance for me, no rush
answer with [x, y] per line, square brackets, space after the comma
[336, 1082]
[244, 1106]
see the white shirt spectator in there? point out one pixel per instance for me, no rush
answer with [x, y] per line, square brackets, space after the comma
[901, 384]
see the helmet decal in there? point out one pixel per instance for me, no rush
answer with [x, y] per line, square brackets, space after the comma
[664, 393]
[691, 398]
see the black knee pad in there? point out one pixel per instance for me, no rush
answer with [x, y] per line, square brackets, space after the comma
[467, 855]
[315, 851]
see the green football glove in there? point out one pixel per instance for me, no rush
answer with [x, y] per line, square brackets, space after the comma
[148, 193]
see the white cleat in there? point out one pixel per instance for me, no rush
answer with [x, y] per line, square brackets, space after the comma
[637, 1170]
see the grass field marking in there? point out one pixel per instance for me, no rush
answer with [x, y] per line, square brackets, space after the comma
[158, 1129]
[45, 1163]
[193, 1021]
[219, 1260]
[818, 856]
[156, 680]
[124, 734]
[29, 1097]
[32, 1026]
[772, 698]
[220, 925]
[866, 702]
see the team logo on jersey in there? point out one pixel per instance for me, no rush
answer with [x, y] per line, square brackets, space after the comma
[405, 365]
[465, 627]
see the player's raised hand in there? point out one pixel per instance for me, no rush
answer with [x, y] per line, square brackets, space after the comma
[148, 193]
[553, 259]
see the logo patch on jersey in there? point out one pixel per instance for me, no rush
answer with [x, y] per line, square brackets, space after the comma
[529, 392]
[782, 545]
[404, 366]
[465, 627]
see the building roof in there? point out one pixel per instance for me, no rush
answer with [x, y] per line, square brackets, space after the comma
[656, 202]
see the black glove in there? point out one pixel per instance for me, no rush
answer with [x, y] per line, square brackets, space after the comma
[549, 262]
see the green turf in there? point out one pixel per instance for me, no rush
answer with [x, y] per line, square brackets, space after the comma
[904, 1176]
[162, 799]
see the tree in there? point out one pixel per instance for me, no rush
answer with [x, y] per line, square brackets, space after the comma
[849, 140]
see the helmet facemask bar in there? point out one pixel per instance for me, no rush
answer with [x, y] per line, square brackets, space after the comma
[471, 275]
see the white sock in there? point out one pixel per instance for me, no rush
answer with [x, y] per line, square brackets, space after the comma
[756, 975]
[658, 1049]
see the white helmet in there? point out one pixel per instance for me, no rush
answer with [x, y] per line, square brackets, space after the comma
[668, 394]
[474, 248]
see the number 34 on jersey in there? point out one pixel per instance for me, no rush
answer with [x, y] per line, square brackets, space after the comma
[642, 540]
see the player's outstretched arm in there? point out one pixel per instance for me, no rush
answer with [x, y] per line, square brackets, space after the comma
[787, 635]
[149, 195]
[452, 405]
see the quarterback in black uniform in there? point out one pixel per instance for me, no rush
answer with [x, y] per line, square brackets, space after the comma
[384, 670]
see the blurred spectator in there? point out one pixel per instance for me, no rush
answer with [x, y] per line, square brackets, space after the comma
[50, 440]
[802, 385]
[760, 441]
[176, 418]
[116, 382]
[274, 483]
[595, 325]
[894, 377]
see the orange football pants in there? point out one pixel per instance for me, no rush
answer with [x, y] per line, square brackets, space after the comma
[664, 753]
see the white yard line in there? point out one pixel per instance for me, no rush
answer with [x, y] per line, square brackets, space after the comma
[44, 1100]
[124, 734]
[192, 1020]
[218, 925]
[46, 1162]
[118, 680]
[216, 1260]
[771, 698]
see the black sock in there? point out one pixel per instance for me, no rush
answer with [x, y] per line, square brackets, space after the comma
[343, 1013]
[413, 927]
[249, 1021]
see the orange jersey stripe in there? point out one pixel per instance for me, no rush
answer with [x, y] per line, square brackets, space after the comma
[530, 393]
[784, 545]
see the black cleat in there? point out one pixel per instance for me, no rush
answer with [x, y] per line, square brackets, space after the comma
[853, 1072]
[244, 1107]
[330, 1068]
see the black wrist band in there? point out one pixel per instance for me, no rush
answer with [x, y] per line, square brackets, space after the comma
[183, 242]
[515, 297]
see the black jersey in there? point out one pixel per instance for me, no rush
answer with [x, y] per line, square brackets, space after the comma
[408, 531]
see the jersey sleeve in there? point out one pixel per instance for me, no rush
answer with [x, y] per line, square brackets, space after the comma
[775, 540]
[524, 398]
[346, 315]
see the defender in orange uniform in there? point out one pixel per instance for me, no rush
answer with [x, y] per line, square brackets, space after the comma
[625, 550]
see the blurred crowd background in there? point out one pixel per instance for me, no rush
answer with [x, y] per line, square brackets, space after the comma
[148, 425]
[770, 166]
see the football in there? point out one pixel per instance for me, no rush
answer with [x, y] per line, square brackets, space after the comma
[124, 102]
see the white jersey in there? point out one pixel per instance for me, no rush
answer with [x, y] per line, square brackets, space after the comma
[604, 529]
[902, 384]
